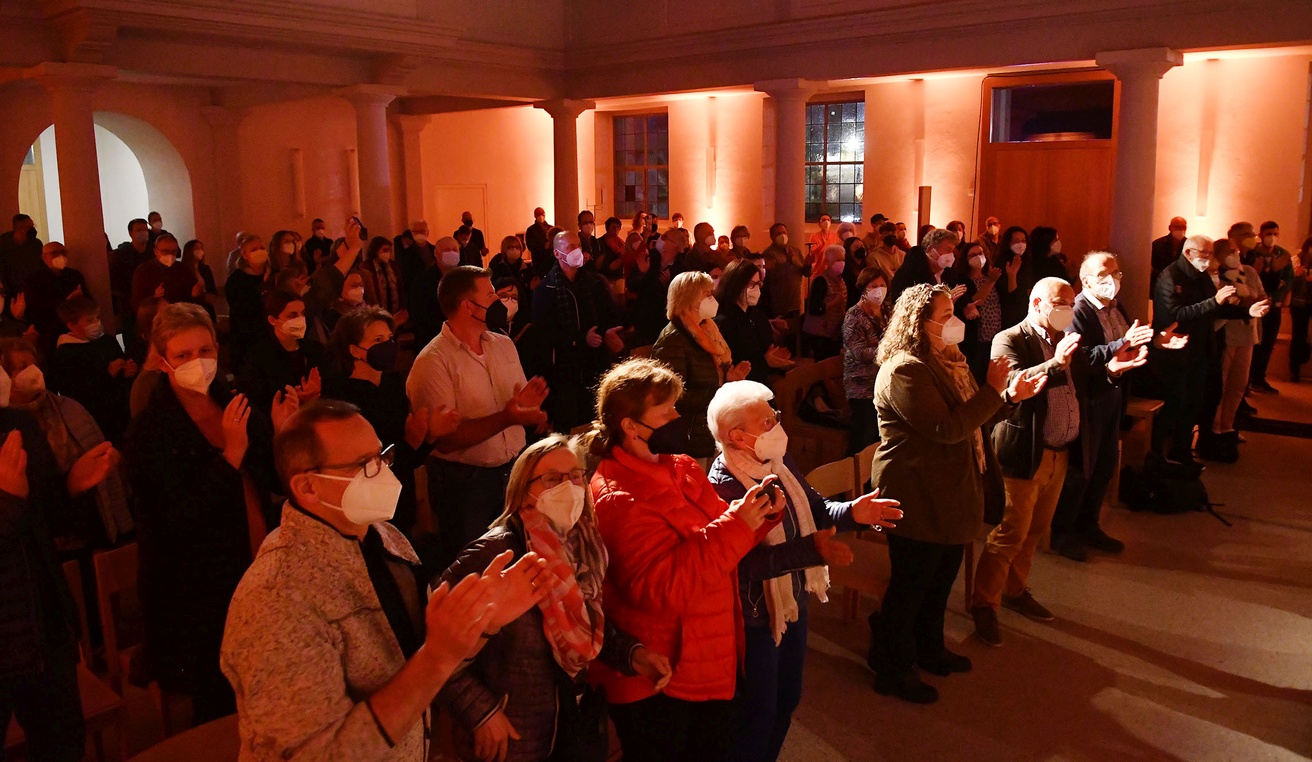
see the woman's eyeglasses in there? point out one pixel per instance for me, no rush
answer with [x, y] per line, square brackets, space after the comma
[552, 479]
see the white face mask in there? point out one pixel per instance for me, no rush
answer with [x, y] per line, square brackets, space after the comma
[1106, 288]
[1232, 261]
[59, 262]
[195, 375]
[708, 309]
[954, 330]
[288, 247]
[449, 259]
[355, 295]
[1018, 248]
[772, 445]
[294, 327]
[573, 258]
[740, 243]
[876, 295]
[562, 504]
[979, 261]
[946, 261]
[512, 307]
[366, 500]
[1201, 265]
[167, 260]
[781, 239]
[30, 380]
[709, 241]
[421, 238]
[1056, 247]
[1060, 317]
[753, 295]
[836, 269]
[1269, 241]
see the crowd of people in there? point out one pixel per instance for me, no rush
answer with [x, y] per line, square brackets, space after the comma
[609, 523]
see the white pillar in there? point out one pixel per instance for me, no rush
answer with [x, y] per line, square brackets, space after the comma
[374, 167]
[71, 87]
[565, 152]
[1140, 74]
[790, 96]
[412, 126]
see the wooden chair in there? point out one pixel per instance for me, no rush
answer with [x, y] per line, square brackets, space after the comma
[1136, 442]
[642, 351]
[116, 598]
[102, 708]
[811, 444]
[215, 741]
[834, 480]
[868, 572]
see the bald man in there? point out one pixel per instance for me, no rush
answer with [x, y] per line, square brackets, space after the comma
[1033, 447]
[1168, 248]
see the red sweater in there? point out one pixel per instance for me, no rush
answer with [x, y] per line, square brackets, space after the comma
[672, 581]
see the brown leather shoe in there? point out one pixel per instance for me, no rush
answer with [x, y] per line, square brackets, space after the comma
[1025, 604]
[986, 625]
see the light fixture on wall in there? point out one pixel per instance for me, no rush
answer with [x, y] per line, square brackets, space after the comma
[1207, 133]
[298, 182]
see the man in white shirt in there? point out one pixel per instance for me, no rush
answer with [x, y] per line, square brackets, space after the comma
[473, 368]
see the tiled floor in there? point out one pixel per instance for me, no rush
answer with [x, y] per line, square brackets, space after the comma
[1196, 644]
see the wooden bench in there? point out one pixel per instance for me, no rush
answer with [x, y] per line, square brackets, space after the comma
[1137, 441]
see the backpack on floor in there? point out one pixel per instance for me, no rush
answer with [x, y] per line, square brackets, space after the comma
[1162, 487]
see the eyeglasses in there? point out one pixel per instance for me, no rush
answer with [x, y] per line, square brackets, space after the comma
[553, 479]
[373, 465]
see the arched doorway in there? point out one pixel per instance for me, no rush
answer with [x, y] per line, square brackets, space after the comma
[140, 171]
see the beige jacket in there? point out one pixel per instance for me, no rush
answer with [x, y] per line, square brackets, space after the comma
[306, 642]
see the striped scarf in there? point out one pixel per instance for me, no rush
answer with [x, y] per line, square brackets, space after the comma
[571, 611]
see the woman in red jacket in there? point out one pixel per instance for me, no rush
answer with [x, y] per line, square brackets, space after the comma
[672, 583]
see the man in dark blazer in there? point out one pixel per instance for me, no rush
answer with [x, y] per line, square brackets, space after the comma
[1033, 447]
[1186, 297]
[1105, 333]
[1167, 249]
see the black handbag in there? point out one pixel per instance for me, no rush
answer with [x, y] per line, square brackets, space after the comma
[583, 732]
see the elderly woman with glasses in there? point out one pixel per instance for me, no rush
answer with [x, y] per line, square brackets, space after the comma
[779, 574]
[524, 696]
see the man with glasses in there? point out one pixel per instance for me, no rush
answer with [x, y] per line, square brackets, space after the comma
[332, 645]
[474, 368]
[1186, 298]
[1104, 330]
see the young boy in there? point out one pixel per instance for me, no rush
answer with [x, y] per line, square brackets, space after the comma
[89, 366]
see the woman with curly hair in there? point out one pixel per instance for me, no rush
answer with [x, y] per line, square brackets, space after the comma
[935, 458]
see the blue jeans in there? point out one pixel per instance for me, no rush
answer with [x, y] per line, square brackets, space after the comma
[770, 689]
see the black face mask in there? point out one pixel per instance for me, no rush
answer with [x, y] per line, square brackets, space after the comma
[859, 255]
[382, 357]
[890, 241]
[670, 439]
[496, 316]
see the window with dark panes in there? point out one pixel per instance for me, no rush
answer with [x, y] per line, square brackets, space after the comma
[835, 160]
[642, 164]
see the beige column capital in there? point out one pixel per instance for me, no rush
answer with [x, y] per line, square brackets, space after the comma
[411, 124]
[785, 89]
[370, 95]
[71, 77]
[565, 108]
[1140, 63]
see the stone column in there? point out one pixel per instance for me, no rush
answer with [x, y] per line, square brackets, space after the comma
[565, 153]
[224, 124]
[412, 154]
[1140, 74]
[375, 173]
[71, 87]
[789, 97]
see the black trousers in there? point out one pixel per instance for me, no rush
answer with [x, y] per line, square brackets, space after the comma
[465, 501]
[1262, 352]
[1184, 390]
[570, 404]
[909, 624]
[865, 425]
[664, 729]
[48, 709]
[1298, 345]
[1082, 494]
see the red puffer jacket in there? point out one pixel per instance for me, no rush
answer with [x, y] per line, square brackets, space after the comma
[672, 582]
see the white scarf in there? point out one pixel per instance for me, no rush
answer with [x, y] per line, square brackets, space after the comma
[779, 600]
